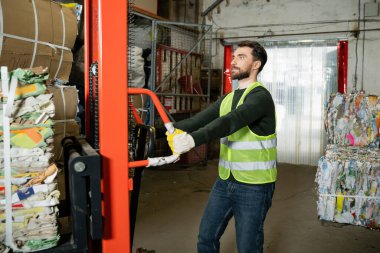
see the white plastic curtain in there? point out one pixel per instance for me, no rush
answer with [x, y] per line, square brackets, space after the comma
[300, 76]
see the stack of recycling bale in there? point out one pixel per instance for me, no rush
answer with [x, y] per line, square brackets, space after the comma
[37, 33]
[65, 100]
[353, 120]
[348, 175]
[35, 195]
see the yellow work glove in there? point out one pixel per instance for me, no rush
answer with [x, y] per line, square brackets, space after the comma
[170, 138]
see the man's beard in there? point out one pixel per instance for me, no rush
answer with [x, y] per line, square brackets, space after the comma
[240, 76]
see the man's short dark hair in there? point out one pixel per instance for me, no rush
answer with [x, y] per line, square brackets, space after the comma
[258, 52]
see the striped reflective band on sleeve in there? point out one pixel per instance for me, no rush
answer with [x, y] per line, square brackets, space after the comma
[247, 166]
[247, 145]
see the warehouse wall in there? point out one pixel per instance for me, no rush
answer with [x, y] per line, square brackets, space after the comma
[301, 19]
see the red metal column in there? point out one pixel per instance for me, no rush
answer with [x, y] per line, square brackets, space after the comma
[227, 84]
[106, 42]
[342, 66]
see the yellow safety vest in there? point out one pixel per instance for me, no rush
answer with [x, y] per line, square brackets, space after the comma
[250, 158]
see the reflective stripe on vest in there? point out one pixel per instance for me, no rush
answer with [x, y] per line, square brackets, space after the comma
[249, 157]
[247, 165]
[247, 145]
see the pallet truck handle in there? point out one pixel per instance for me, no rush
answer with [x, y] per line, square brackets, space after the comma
[156, 161]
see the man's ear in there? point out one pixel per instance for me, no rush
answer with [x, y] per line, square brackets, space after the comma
[256, 64]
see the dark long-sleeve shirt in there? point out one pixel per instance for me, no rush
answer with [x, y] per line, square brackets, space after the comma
[257, 111]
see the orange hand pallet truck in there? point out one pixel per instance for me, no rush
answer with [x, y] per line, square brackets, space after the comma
[106, 43]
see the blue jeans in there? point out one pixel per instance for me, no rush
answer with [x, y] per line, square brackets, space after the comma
[249, 205]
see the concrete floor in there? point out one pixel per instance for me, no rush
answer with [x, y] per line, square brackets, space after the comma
[173, 198]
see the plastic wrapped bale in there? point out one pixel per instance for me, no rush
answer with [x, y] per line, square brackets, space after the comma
[348, 180]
